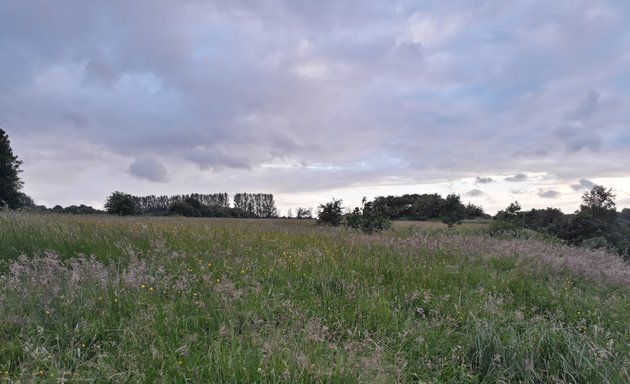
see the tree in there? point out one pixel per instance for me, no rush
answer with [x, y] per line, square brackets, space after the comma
[453, 210]
[303, 213]
[473, 211]
[597, 216]
[368, 219]
[120, 203]
[10, 183]
[330, 213]
[511, 213]
[599, 204]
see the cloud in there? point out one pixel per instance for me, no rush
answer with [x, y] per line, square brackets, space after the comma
[520, 177]
[583, 184]
[235, 91]
[586, 107]
[548, 194]
[484, 180]
[217, 158]
[149, 169]
[475, 192]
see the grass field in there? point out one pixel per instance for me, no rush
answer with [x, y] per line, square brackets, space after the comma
[126, 300]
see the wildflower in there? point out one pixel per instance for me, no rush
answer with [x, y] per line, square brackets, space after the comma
[180, 362]
[151, 289]
[143, 286]
[209, 265]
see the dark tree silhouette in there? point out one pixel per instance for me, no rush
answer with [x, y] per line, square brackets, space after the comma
[120, 203]
[330, 213]
[10, 183]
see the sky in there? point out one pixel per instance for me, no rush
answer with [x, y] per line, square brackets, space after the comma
[496, 101]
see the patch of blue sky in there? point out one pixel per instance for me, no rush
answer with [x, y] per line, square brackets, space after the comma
[380, 160]
[618, 140]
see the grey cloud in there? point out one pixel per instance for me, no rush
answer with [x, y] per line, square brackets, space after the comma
[217, 158]
[232, 86]
[100, 72]
[536, 153]
[475, 192]
[149, 169]
[520, 177]
[586, 107]
[483, 180]
[548, 194]
[583, 184]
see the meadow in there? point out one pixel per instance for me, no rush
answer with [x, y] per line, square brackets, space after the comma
[109, 299]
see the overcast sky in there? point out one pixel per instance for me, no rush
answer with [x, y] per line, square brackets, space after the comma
[493, 100]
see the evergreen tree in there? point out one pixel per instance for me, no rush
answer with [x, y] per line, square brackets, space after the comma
[10, 183]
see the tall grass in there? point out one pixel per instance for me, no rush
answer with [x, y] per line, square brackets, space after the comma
[107, 299]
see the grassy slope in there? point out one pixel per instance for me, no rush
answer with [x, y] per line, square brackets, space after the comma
[167, 299]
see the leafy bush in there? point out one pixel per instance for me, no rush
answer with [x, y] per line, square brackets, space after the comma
[183, 209]
[505, 229]
[598, 242]
[368, 219]
[330, 213]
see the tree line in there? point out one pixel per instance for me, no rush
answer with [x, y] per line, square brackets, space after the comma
[254, 205]
[376, 215]
[596, 224]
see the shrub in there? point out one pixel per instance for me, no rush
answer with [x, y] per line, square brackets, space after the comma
[368, 219]
[505, 229]
[330, 213]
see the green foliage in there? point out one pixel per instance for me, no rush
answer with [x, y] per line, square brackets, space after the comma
[595, 221]
[330, 213]
[182, 208]
[10, 183]
[599, 242]
[257, 204]
[474, 211]
[453, 211]
[505, 229]
[511, 213]
[191, 207]
[368, 219]
[159, 205]
[119, 203]
[304, 213]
